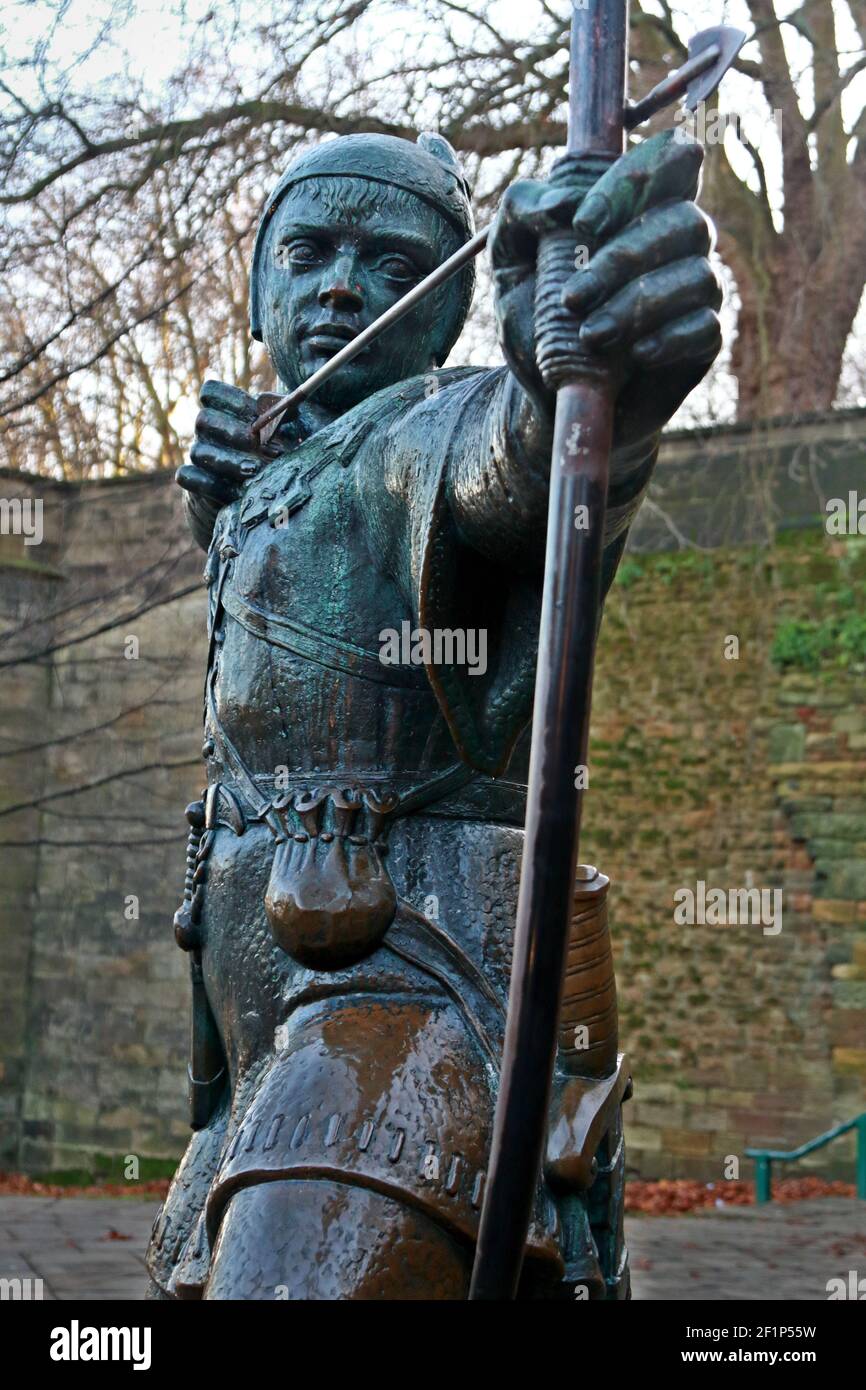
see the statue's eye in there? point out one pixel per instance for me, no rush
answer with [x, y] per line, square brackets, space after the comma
[397, 268]
[298, 253]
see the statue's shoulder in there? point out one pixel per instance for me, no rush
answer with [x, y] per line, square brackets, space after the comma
[389, 411]
[394, 401]
[394, 421]
[426, 403]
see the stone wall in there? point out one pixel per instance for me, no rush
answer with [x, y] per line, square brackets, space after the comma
[100, 665]
[734, 771]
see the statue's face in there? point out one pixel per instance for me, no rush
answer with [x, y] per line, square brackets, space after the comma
[339, 253]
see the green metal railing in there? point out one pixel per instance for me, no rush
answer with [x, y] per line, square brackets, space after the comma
[765, 1158]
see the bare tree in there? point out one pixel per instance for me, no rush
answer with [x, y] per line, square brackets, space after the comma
[800, 273]
[128, 216]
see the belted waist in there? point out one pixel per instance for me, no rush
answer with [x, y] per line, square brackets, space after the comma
[456, 793]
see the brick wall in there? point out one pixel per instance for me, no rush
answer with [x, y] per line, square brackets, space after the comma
[736, 772]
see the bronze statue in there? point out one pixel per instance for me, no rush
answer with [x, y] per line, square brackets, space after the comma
[353, 865]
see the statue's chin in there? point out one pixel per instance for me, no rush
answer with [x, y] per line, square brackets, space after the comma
[349, 385]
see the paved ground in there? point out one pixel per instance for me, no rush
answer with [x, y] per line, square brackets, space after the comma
[772, 1252]
[73, 1244]
[93, 1248]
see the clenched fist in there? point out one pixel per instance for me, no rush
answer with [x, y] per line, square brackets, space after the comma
[647, 297]
[224, 456]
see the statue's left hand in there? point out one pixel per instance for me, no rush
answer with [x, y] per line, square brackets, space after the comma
[647, 300]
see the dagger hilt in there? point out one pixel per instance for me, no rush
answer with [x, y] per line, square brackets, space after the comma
[591, 1079]
[588, 1015]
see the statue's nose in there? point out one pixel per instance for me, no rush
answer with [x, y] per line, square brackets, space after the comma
[341, 288]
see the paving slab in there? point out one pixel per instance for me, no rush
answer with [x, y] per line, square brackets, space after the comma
[81, 1247]
[93, 1248]
[769, 1253]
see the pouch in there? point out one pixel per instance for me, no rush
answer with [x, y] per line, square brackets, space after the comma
[330, 899]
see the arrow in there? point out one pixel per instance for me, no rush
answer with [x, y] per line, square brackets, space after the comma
[710, 55]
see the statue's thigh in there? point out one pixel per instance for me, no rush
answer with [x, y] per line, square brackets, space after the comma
[301, 1239]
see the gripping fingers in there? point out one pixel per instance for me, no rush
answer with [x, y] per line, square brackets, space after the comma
[223, 456]
[659, 169]
[219, 395]
[528, 210]
[670, 233]
[216, 427]
[647, 304]
[202, 484]
[222, 463]
[695, 338]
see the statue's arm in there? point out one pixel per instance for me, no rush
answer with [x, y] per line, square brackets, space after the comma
[645, 302]
[498, 481]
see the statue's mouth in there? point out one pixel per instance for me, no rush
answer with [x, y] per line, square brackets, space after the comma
[329, 337]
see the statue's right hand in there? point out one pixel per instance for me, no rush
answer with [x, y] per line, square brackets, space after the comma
[226, 453]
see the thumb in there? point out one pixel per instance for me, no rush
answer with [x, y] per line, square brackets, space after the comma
[528, 210]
